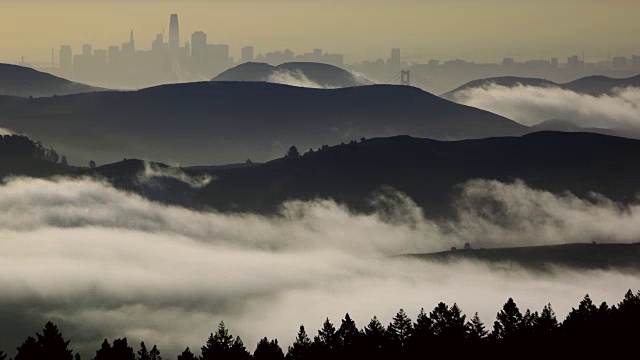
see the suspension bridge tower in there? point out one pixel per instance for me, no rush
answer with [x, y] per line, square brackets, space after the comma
[405, 77]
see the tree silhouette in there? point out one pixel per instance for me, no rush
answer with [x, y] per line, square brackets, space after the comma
[547, 322]
[104, 352]
[238, 350]
[121, 350]
[29, 350]
[508, 321]
[63, 161]
[92, 164]
[218, 345]
[186, 355]
[154, 354]
[268, 350]
[143, 353]
[3, 356]
[475, 328]
[300, 347]
[400, 328]
[53, 345]
[292, 153]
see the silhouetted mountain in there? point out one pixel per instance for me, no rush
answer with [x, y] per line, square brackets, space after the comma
[569, 126]
[591, 85]
[428, 171]
[622, 257]
[229, 122]
[507, 81]
[323, 75]
[23, 81]
[600, 85]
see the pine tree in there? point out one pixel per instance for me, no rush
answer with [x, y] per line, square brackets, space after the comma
[218, 344]
[121, 350]
[53, 345]
[154, 354]
[327, 335]
[400, 328]
[104, 352]
[143, 354]
[547, 322]
[238, 350]
[29, 350]
[348, 333]
[475, 328]
[508, 321]
[186, 355]
[268, 350]
[301, 346]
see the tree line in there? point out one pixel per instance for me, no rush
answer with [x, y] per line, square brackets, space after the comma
[19, 145]
[589, 330]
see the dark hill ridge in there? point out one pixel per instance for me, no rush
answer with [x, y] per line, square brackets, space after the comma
[430, 170]
[229, 122]
[24, 82]
[591, 85]
[621, 257]
[322, 74]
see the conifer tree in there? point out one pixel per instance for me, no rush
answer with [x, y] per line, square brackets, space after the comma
[143, 353]
[348, 333]
[301, 346]
[187, 355]
[154, 354]
[53, 345]
[327, 335]
[475, 328]
[104, 352]
[238, 350]
[508, 321]
[268, 350]
[400, 328]
[218, 344]
[29, 350]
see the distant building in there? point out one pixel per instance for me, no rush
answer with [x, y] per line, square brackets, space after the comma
[508, 62]
[619, 63]
[174, 34]
[395, 60]
[555, 62]
[87, 50]
[317, 55]
[198, 49]
[247, 54]
[433, 62]
[574, 62]
[66, 60]
[158, 45]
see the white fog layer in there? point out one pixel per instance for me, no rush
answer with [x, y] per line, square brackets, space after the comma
[103, 263]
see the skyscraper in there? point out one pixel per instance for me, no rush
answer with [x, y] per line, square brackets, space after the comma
[174, 34]
[66, 60]
[198, 48]
[247, 54]
[395, 57]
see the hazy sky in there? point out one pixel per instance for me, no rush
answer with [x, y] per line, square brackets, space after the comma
[472, 29]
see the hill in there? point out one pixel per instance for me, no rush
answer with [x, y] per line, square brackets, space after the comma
[591, 85]
[230, 122]
[322, 75]
[24, 82]
[621, 257]
[428, 171]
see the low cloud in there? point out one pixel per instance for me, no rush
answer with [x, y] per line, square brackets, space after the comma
[294, 78]
[104, 263]
[532, 105]
[153, 171]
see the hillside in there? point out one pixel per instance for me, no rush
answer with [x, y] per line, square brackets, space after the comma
[428, 171]
[621, 257]
[230, 122]
[591, 85]
[24, 82]
[323, 75]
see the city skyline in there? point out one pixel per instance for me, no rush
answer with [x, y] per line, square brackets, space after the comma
[339, 28]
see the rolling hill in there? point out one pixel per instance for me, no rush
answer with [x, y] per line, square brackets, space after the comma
[323, 75]
[591, 85]
[230, 122]
[24, 82]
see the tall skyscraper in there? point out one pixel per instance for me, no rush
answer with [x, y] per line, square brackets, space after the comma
[198, 48]
[395, 57]
[247, 54]
[66, 60]
[174, 34]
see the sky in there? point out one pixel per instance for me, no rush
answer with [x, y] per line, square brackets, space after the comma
[479, 30]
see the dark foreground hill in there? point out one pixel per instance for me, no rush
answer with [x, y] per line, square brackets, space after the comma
[621, 257]
[323, 75]
[24, 82]
[230, 122]
[591, 85]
